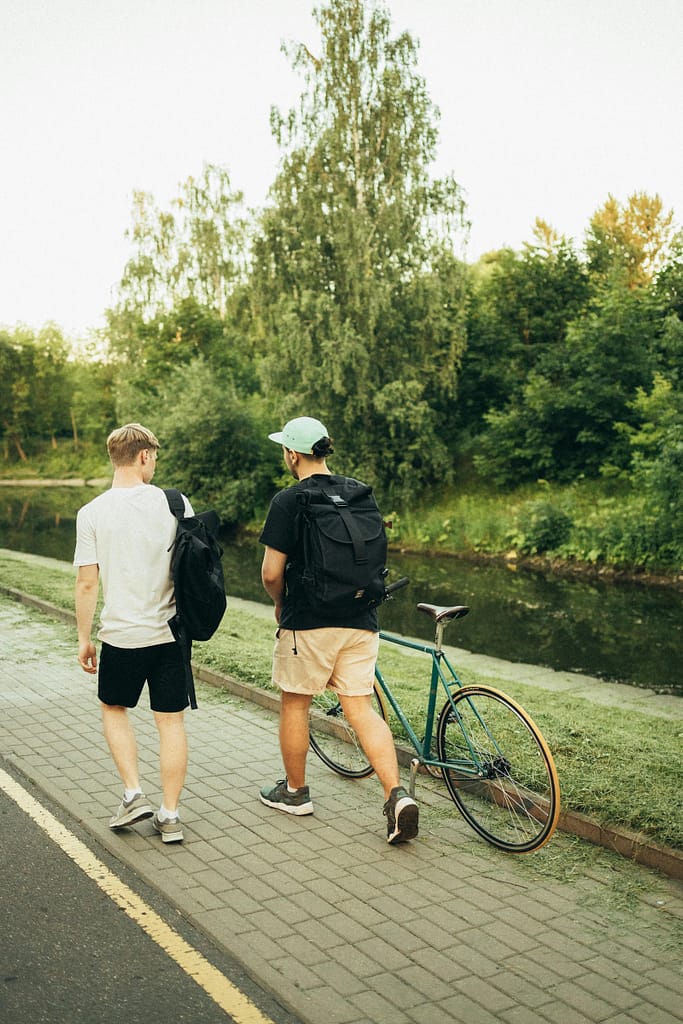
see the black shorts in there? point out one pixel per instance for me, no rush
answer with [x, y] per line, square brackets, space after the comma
[123, 672]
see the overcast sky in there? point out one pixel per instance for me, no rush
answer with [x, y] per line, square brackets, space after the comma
[546, 107]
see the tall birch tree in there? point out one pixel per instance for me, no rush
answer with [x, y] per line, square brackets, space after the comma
[357, 286]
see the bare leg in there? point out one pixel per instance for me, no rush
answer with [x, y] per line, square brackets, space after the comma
[172, 755]
[375, 738]
[294, 737]
[120, 738]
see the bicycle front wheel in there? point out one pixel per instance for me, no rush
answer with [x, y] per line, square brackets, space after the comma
[333, 739]
[501, 774]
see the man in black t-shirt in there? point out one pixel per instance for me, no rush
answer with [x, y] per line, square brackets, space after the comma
[314, 652]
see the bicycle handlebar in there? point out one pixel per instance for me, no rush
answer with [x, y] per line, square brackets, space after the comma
[388, 591]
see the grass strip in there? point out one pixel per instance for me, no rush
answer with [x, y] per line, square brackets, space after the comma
[621, 767]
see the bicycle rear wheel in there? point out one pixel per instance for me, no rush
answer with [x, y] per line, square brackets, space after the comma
[503, 778]
[333, 739]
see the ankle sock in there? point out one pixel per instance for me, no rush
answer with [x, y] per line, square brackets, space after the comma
[164, 813]
[128, 794]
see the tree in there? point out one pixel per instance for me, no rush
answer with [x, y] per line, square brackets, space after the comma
[214, 442]
[564, 421]
[194, 250]
[519, 309]
[36, 388]
[357, 290]
[632, 240]
[657, 447]
[174, 298]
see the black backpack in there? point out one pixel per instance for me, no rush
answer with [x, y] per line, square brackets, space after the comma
[344, 547]
[197, 571]
[197, 580]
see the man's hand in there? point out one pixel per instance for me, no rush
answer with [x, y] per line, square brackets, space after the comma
[87, 656]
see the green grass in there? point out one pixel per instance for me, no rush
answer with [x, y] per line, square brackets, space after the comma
[620, 767]
[591, 523]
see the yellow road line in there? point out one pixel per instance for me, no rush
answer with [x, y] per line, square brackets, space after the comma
[215, 984]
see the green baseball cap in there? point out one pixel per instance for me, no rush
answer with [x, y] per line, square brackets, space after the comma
[300, 434]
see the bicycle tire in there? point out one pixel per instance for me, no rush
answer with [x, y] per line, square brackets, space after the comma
[333, 739]
[509, 791]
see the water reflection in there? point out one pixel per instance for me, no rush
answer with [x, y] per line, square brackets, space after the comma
[617, 631]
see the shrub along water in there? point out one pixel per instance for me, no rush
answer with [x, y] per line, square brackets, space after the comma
[595, 524]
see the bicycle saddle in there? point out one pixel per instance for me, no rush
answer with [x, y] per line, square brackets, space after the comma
[442, 613]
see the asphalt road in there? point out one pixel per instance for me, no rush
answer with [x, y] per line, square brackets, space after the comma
[68, 953]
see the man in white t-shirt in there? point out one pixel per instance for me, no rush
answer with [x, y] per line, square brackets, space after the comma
[124, 537]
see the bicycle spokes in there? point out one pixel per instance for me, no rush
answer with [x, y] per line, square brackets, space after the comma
[500, 772]
[334, 740]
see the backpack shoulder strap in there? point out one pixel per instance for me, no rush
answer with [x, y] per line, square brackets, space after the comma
[175, 502]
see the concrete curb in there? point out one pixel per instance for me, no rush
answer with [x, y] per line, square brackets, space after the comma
[630, 845]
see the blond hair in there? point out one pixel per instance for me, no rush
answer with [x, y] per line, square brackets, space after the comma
[124, 443]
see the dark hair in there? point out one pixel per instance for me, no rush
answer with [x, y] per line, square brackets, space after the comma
[322, 448]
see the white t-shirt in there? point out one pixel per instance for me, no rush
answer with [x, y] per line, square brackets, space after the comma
[128, 532]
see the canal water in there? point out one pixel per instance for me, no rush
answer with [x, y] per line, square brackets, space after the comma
[623, 632]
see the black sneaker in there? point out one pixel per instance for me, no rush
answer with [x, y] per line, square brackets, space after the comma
[292, 803]
[402, 816]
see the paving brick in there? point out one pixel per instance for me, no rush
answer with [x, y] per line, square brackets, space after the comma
[646, 1013]
[320, 935]
[373, 1007]
[347, 928]
[461, 1007]
[667, 999]
[621, 1018]
[344, 928]
[582, 1001]
[524, 993]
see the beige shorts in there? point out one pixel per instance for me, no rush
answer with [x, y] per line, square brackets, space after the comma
[341, 659]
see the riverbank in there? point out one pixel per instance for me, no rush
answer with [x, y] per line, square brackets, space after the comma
[589, 725]
[562, 568]
[66, 482]
[474, 527]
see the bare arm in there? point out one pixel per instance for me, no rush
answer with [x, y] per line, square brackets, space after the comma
[273, 577]
[87, 588]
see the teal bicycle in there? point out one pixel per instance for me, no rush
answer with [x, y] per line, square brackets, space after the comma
[497, 767]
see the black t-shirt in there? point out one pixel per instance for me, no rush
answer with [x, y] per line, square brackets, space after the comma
[281, 531]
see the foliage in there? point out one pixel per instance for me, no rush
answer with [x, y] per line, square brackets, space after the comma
[44, 393]
[519, 309]
[632, 241]
[174, 301]
[564, 421]
[214, 442]
[658, 465]
[194, 250]
[541, 526]
[355, 281]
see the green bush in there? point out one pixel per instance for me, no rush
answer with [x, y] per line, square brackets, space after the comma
[541, 526]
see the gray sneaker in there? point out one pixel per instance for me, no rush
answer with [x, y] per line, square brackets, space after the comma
[170, 828]
[278, 796]
[136, 809]
[402, 816]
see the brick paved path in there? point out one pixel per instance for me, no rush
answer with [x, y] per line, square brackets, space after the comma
[343, 928]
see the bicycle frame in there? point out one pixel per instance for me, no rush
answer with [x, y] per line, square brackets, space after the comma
[447, 680]
[496, 765]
